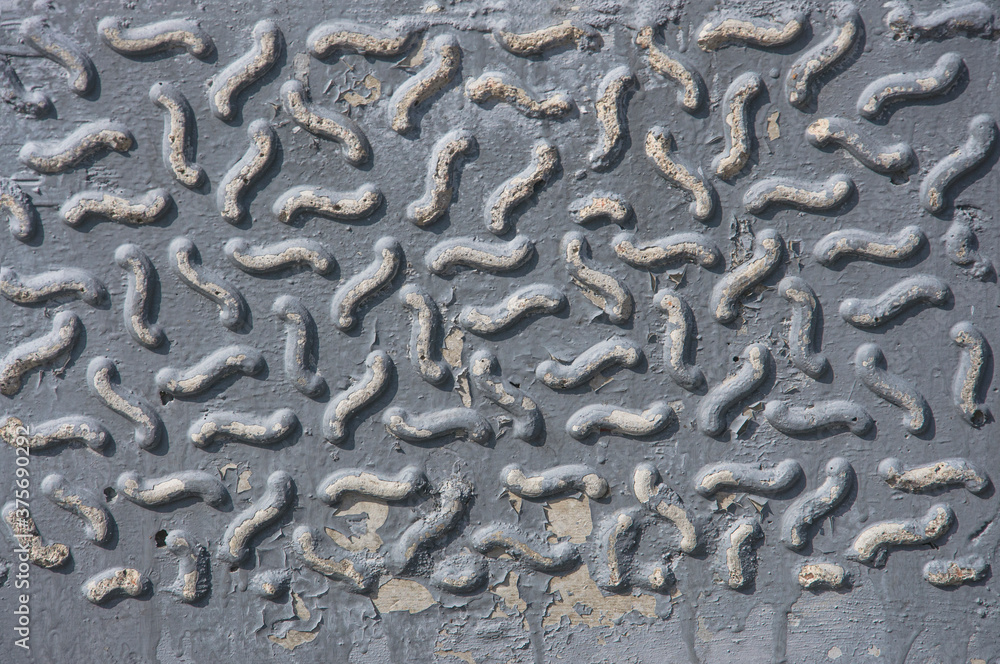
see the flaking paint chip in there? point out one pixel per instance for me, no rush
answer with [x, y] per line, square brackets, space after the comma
[243, 483]
[773, 130]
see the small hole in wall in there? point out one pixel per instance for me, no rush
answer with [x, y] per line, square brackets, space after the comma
[160, 538]
[109, 494]
[736, 358]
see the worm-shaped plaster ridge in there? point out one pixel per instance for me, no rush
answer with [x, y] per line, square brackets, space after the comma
[249, 428]
[268, 44]
[665, 61]
[818, 417]
[866, 313]
[604, 290]
[541, 299]
[802, 331]
[620, 420]
[678, 340]
[98, 522]
[963, 159]
[805, 195]
[484, 373]
[662, 153]
[756, 365]
[690, 247]
[870, 368]
[425, 334]
[70, 429]
[60, 49]
[518, 189]
[405, 484]
[115, 583]
[747, 477]
[894, 88]
[102, 376]
[872, 545]
[854, 243]
[421, 427]
[157, 37]
[531, 552]
[553, 481]
[955, 572]
[333, 37]
[179, 127]
[601, 205]
[932, 476]
[739, 126]
[366, 284]
[279, 256]
[537, 42]
[214, 367]
[350, 402]
[435, 76]
[494, 257]
[38, 352]
[337, 205]
[236, 184]
[326, 123]
[974, 19]
[612, 98]
[301, 345]
[89, 139]
[67, 282]
[802, 76]
[813, 506]
[491, 86]
[968, 380]
[756, 32]
[884, 159]
[142, 282]
[446, 157]
[768, 250]
[277, 499]
[616, 351]
[233, 309]
[157, 491]
[143, 210]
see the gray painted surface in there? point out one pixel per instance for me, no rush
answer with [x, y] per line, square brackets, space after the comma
[889, 614]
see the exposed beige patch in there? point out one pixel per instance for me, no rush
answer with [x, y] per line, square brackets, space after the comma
[372, 85]
[569, 517]
[578, 588]
[299, 607]
[463, 389]
[243, 483]
[294, 638]
[510, 593]
[773, 130]
[463, 655]
[377, 512]
[402, 595]
[451, 351]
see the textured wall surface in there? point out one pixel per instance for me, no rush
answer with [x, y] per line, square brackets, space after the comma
[414, 335]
